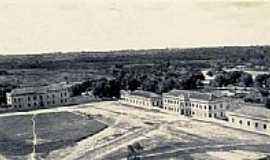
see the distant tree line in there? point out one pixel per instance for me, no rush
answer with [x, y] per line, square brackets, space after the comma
[240, 78]
[256, 55]
[236, 78]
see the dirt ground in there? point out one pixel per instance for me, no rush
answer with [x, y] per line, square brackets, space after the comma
[162, 135]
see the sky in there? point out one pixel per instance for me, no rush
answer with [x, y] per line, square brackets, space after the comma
[40, 26]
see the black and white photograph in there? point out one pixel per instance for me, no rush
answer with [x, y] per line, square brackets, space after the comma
[135, 80]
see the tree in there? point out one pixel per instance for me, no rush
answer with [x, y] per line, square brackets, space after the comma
[267, 103]
[133, 84]
[101, 88]
[268, 82]
[219, 80]
[210, 73]
[246, 80]
[114, 88]
[261, 79]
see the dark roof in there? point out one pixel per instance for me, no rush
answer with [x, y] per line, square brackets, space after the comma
[193, 94]
[177, 93]
[39, 90]
[203, 96]
[145, 94]
[254, 111]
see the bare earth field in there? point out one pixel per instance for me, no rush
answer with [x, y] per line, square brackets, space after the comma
[52, 130]
[163, 136]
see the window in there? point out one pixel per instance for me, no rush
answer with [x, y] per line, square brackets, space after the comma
[29, 98]
[240, 122]
[232, 119]
[210, 115]
[215, 107]
[35, 97]
[29, 105]
[221, 106]
[210, 107]
[256, 125]
[215, 115]
[15, 99]
[264, 126]
[40, 97]
[248, 123]
[205, 107]
[182, 111]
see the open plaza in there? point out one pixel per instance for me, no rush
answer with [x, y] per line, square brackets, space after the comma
[162, 135]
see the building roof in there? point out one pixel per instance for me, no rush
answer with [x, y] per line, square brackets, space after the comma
[193, 94]
[254, 111]
[177, 93]
[203, 96]
[145, 94]
[40, 89]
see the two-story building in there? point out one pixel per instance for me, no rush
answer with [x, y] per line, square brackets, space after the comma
[176, 101]
[39, 97]
[207, 105]
[195, 104]
[141, 98]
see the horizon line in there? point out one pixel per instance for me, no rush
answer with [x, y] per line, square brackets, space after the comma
[124, 49]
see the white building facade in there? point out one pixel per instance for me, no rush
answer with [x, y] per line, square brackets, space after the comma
[176, 101]
[194, 104]
[39, 97]
[252, 118]
[143, 99]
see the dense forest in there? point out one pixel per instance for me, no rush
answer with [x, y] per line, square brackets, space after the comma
[258, 55]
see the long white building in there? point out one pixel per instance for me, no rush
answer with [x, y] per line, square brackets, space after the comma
[182, 102]
[204, 106]
[250, 117]
[141, 98]
[39, 97]
[194, 104]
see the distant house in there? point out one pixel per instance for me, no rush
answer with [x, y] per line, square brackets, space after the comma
[141, 98]
[241, 67]
[194, 104]
[250, 117]
[39, 97]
